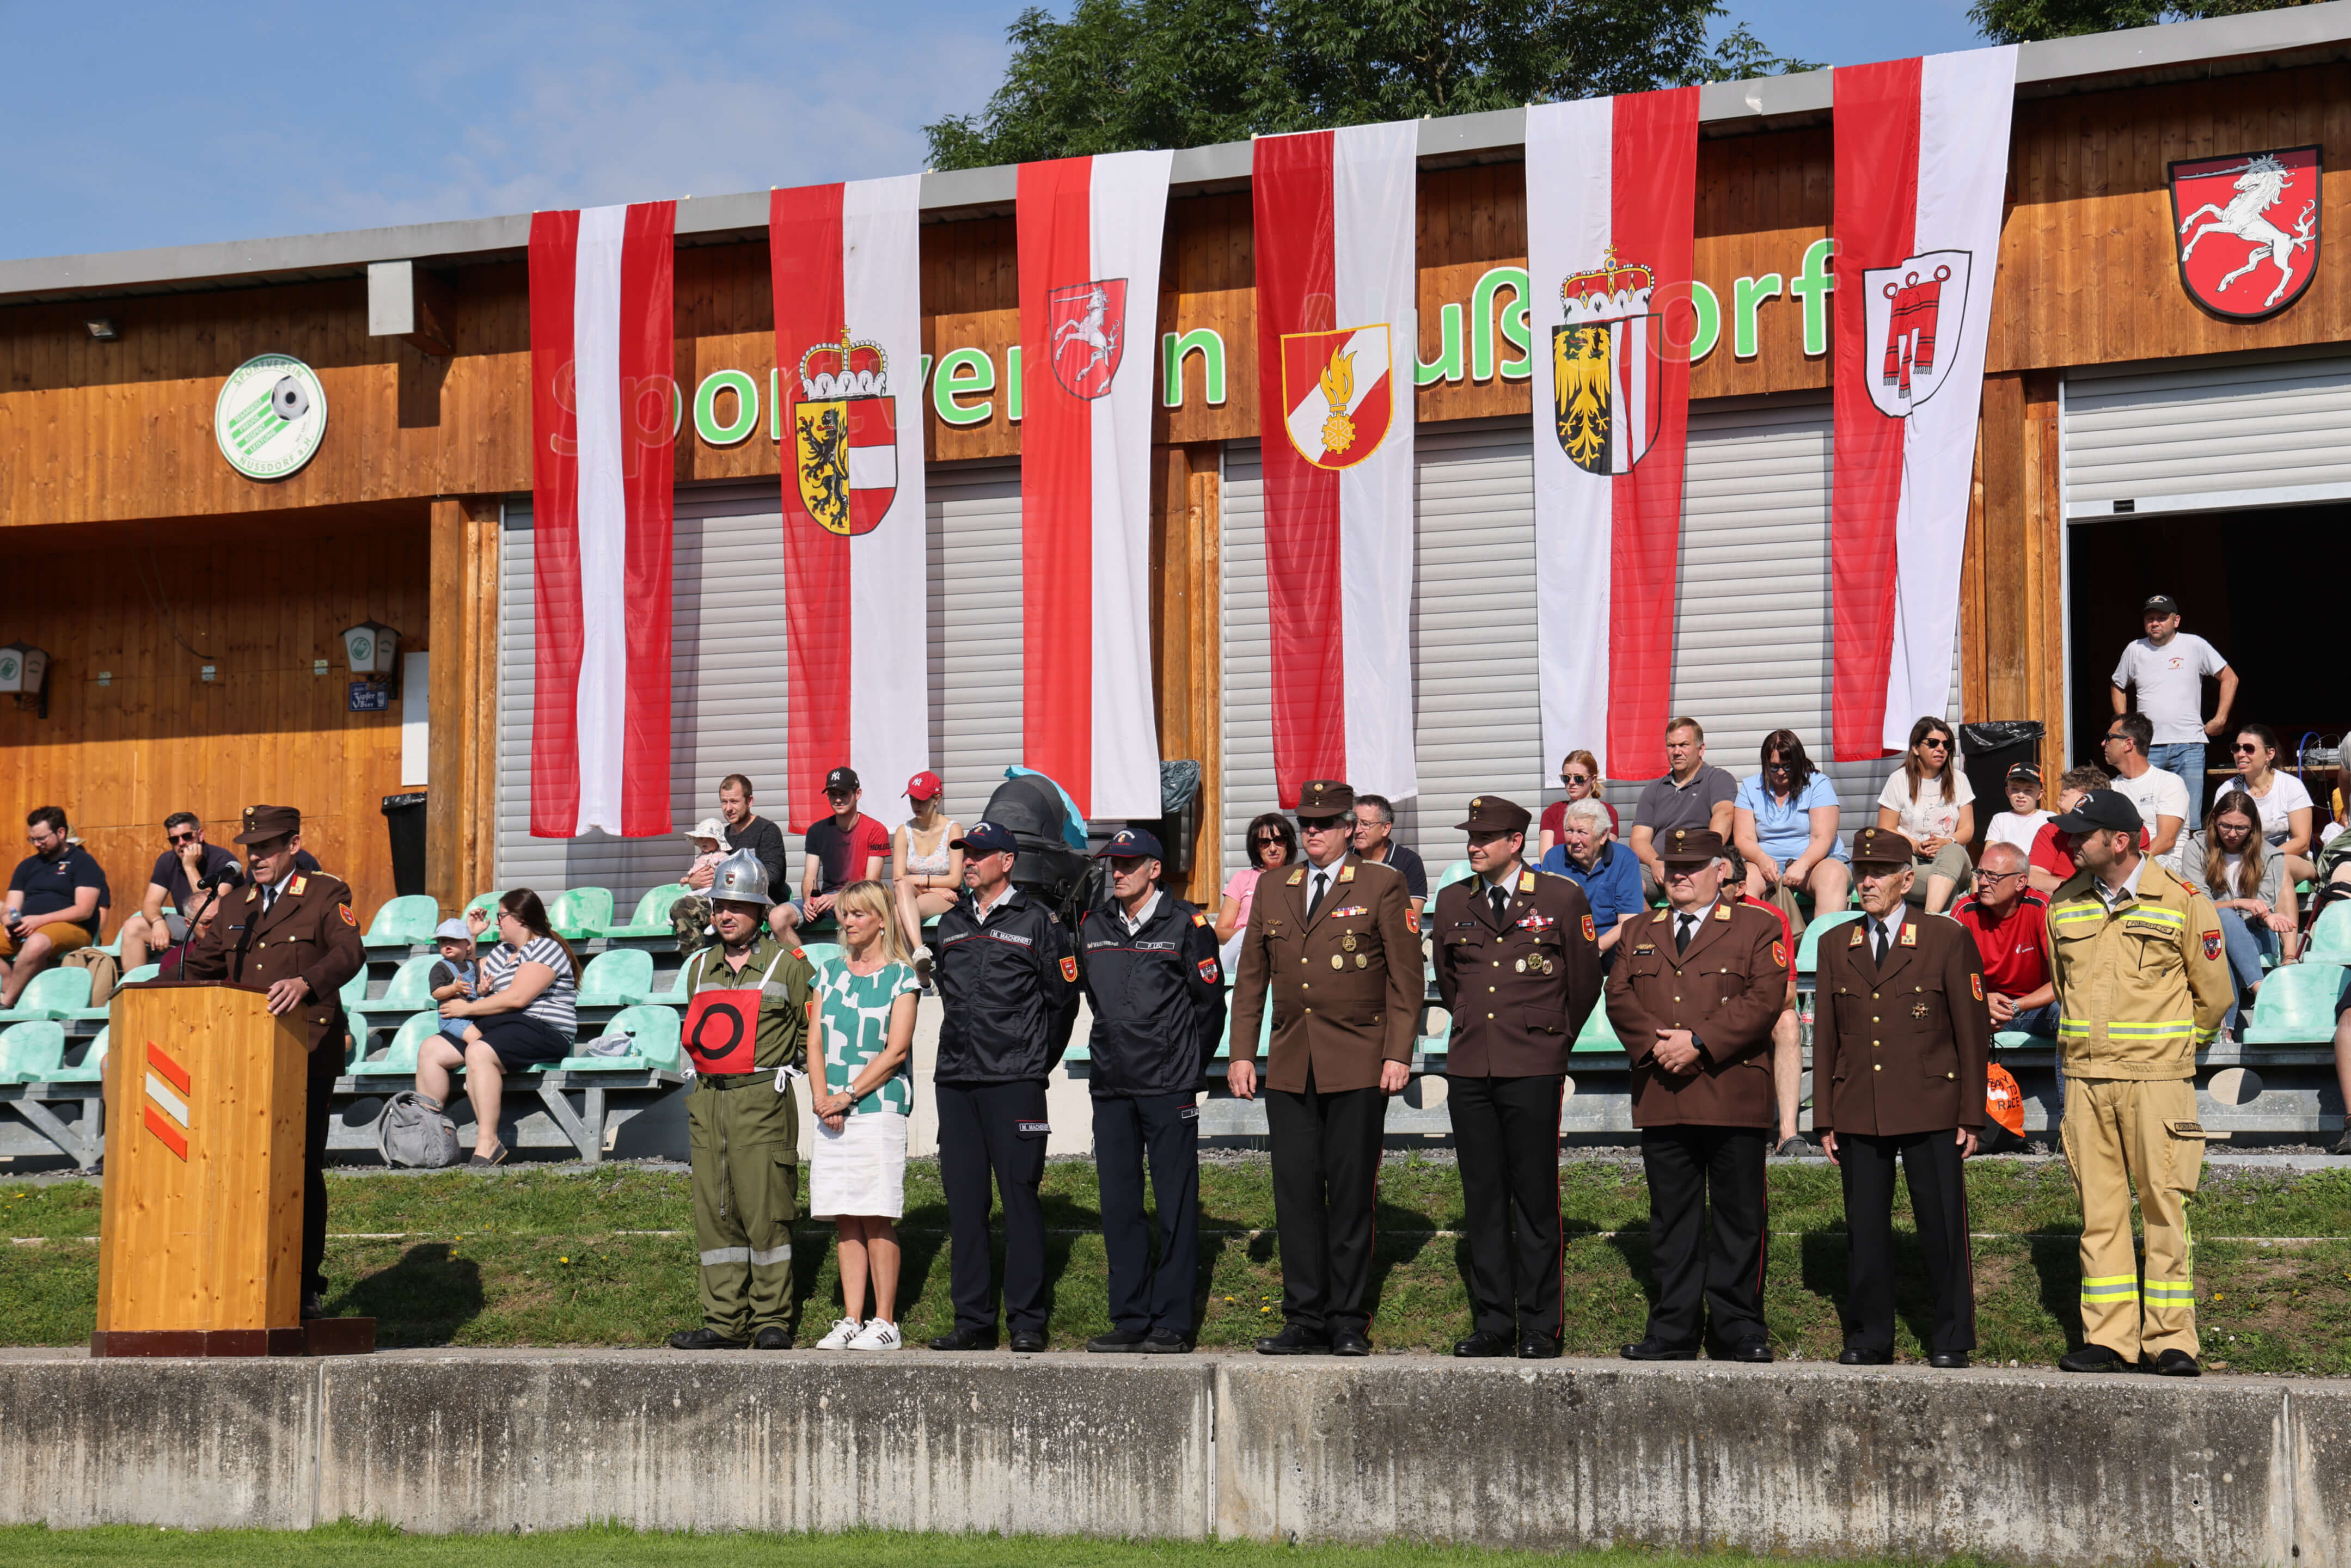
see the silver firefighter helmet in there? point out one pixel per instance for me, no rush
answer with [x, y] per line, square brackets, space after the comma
[741, 879]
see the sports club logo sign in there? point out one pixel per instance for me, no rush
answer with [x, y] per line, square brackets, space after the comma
[1338, 394]
[845, 436]
[1087, 334]
[2235, 259]
[1915, 314]
[1605, 398]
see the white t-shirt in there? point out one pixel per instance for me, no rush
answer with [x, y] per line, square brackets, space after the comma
[1929, 814]
[2286, 794]
[2170, 681]
[2159, 793]
[2010, 827]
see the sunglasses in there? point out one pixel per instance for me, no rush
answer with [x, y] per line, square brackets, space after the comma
[2247, 750]
[2116, 735]
[1326, 824]
[1935, 746]
[1576, 778]
[1264, 839]
[182, 838]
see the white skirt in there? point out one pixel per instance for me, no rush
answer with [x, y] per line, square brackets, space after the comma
[860, 1170]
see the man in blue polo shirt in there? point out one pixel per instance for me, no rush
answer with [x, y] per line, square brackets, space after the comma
[53, 902]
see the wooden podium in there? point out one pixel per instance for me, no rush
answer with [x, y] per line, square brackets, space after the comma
[200, 1238]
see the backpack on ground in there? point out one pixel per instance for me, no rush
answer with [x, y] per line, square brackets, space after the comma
[413, 1132]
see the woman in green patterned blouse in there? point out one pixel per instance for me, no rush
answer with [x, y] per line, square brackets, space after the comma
[862, 1047]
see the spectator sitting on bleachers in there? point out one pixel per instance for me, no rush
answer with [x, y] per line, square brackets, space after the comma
[182, 873]
[456, 975]
[1929, 801]
[1689, 795]
[52, 903]
[2227, 859]
[2281, 799]
[848, 846]
[1588, 855]
[690, 916]
[1784, 824]
[2024, 818]
[524, 1011]
[2011, 924]
[1271, 843]
[1579, 775]
[1374, 839]
[2164, 799]
[745, 830]
[2053, 862]
[925, 868]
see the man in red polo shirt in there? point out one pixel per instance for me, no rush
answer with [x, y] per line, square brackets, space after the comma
[2011, 924]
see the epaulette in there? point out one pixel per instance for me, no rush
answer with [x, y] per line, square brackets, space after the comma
[251, 894]
[1723, 913]
[1347, 872]
[1661, 916]
[296, 885]
[1526, 882]
[1298, 876]
[800, 953]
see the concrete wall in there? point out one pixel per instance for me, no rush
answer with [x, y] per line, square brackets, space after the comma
[2027, 1466]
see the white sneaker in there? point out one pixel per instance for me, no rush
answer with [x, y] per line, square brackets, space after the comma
[878, 1335]
[844, 1330]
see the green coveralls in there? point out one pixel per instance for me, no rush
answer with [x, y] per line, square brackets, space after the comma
[742, 1132]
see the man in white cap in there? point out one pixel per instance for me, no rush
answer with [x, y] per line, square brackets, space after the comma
[747, 1036]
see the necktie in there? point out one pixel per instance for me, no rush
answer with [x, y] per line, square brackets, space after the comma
[1881, 941]
[269, 900]
[1682, 926]
[1501, 904]
[1322, 886]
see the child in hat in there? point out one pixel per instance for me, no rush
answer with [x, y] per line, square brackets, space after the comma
[454, 973]
[690, 916]
[2021, 823]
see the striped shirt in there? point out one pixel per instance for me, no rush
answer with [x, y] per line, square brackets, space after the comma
[558, 1006]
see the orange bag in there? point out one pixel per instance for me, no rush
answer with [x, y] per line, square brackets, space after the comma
[2003, 1101]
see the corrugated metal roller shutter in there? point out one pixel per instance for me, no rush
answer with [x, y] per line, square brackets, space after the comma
[2213, 431]
[727, 663]
[1248, 655]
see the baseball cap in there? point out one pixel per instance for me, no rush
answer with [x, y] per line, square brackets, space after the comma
[2100, 811]
[2025, 770]
[1133, 843]
[923, 786]
[841, 778]
[453, 931]
[987, 839]
[2159, 604]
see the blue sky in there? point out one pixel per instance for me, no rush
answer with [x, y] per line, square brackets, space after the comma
[133, 125]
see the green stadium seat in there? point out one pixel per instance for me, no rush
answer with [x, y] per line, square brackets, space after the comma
[655, 1043]
[1597, 1033]
[411, 989]
[1808, 951]
[2296, 1004]
[620, 978]
[403, 921]
[819, 953]
[33, 1051]
[354, 995]
[1457, 871]
[579, 912]
[2017, 1040]
[50, 995]
[487, 903]
[651, 916]
[2330, 939]
[91, 1068]
[399, 1059]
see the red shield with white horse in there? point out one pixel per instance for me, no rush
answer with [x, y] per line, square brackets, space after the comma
[1089, 333]
[2247, 230]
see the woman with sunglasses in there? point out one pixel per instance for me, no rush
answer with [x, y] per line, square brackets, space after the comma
[1272, 841]
[1579, 775]
[2280, 800]
[1784, 824]
[1930, 803]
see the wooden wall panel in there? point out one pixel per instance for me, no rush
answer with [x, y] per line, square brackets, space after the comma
[1186, 640]
[154, 737]
[462, 809]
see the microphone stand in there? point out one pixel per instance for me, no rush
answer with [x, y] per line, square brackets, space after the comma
[212, 896]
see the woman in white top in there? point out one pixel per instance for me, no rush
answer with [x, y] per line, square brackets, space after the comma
[2283, 803]
[1930, 803]
[925, 868]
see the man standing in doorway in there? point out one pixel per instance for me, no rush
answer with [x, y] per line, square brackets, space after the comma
[2168, 667]
[1691, 796]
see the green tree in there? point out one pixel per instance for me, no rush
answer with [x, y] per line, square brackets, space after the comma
[1124, 74]
[2028, 21]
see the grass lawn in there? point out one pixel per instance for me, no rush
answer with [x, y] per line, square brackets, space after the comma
[568, 1256]
[33, 1547]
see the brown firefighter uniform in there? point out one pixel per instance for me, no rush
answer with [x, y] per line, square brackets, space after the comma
[2140, 988]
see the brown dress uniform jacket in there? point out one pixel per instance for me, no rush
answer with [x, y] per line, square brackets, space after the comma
[1519, 990]
[1345, 988]
[309, 932]
[1727, 989]
[1902, 1049]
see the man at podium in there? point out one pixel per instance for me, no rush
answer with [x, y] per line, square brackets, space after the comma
[294, 933]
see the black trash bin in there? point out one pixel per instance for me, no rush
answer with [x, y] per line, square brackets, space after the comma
[1989, 749]
[403, 817]
[1180, 819]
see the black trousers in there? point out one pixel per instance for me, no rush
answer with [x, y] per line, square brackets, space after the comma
[1506, 1139]
[1938, 1199]
[1707, 1204]
[1326, 1170]
[982, 1137]
[318, 1087]
[1165, 1127]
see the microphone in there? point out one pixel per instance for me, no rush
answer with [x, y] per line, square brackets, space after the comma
[228, 876]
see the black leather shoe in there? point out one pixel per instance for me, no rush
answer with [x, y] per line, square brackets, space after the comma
[2176, 1363]
[1295, 1340]
[1538, 1347]
[965, 1336]
[1165, 1342]
[1949, 1360]
[1027, 1341]
[705, 1339]
[1118, 1341]
[1658, 1350]
[1351, 1342]
[1864, 1358]
[1754, 1352]
[771, 1338]
[1485, 1342]
[2092, 1358]
[312, 1306]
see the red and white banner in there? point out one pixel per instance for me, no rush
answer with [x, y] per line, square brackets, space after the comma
[1089, 242]
[1921, 166]
[604, 416]
[1612, 189]
[846, 264]
[1336, 213]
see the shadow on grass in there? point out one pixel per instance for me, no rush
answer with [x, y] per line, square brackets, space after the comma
[425, 1298]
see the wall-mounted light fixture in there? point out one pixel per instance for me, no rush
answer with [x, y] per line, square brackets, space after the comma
[25, 674]
[373, 651]
[102, 328]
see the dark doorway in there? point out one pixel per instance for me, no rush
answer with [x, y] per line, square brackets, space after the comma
[2231, 572]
